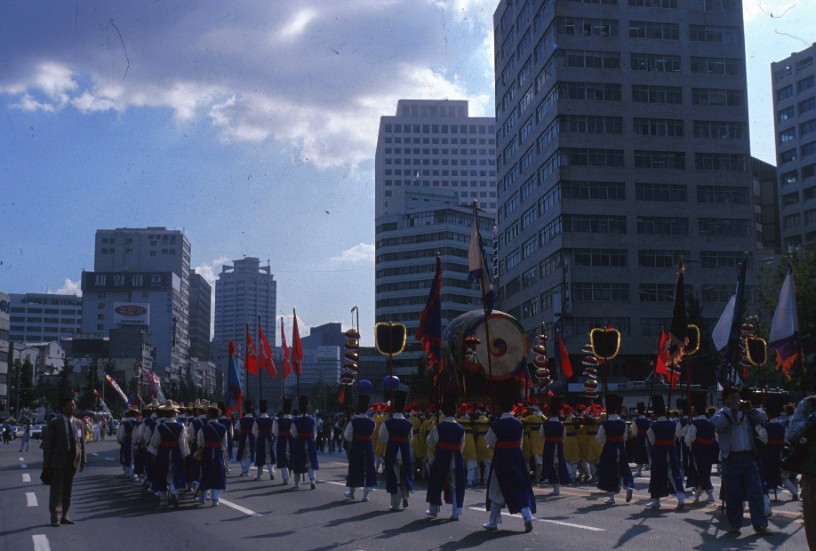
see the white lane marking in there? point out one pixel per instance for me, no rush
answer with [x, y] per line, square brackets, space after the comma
[26, 477]
[21, 458]
[558, 522]
[239, 508]
[23, 466]
[95, 453]
[335, 483]
[108, 459]
[31, 499]
[41, 542]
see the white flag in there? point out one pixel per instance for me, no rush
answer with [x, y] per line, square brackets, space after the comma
[723, 328]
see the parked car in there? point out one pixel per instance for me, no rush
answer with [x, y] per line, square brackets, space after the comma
[37, 430]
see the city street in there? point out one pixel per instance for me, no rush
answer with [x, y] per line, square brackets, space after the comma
[112, 513]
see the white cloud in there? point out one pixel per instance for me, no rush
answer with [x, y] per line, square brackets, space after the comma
[209, 270]
[297, 24]
[70, 287]
[362, 252]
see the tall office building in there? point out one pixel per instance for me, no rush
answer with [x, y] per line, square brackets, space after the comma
[425, 222]
[5, 308]
[200, 316]
[244, 292]
[39, 317]
[622, 139]
[142, 277]
[794, 85]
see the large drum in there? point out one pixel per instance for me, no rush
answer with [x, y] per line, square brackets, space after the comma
[508, 343]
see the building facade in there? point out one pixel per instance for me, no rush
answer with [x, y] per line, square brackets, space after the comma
[245, 293]
[425, 223]
[622, 145]
[200, 316]
[142, 277]
[794, 87]
[44, 317]
[5, 360]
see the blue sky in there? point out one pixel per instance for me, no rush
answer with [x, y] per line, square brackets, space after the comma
[250, 125]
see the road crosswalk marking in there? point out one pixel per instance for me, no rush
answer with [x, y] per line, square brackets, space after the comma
[41, 542]
[31, 499]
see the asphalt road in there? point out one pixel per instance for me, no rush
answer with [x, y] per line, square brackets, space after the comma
[114, 514]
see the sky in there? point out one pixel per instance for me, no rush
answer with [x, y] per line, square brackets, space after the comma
[249, 125]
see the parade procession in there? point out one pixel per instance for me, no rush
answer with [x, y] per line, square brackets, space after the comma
[492, 436]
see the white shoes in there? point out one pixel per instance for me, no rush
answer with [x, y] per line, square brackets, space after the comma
[653, 504]
[610, 500]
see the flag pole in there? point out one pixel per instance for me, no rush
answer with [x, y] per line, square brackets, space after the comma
[258, 357]
[246, 366]
[297, 365]
[283, 375]
[475, 205]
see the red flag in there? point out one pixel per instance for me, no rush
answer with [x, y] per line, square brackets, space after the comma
[250, 354]
[286, 368]
[563, 356]
[297, 347]
[672, 374]
[266, 360]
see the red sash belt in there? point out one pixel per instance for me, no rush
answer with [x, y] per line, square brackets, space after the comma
[169, 444]
[264, 431]
[212, 444]
[398, 439]
[362, 438]
[246, 431]
[128, 432]
[704, 441]
[664, 443]
[642, 431]
[450, 446]
[552, 439]
[507, 444]
[286, 434]
[305, 435]
[776, 442]
[614, 438]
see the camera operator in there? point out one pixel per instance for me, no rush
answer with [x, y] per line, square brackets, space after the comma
[735, 424]
[803, 423]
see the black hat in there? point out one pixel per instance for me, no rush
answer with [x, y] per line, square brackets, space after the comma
[222, 406]
[507, 395]
[263, 406]
[287, 406]
[774, 403]
[555, 403]
[658, 405]
[400, 397]
[682, 404]
[613, 403]
[449, 402]
[362, 403]
[699, 399]
[303, 404]
[641, 408]
[247, 406]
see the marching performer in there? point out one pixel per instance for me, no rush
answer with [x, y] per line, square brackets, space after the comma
[614, 465]
[192, 465]
[124, 435]
[463, 417]
[169, 444]
[509, 480]
[665, 477]
[640, 426]
[484, 455]
[227, 422]
[282, 429]
[358, 433]
[264, 441]
[304, 456]
[212, 441]
[699, 439]
[446, 441]
[533, 423]
[246, 442]
[399, 474]
[553, 432]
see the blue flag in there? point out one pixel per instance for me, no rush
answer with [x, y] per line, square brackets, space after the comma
[235, 391]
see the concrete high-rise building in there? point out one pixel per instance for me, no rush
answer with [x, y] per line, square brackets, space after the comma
[244, 293]
[435, 144]
[622, 141]
[424, 222]
[794, 86]
[766, 203]
[39, 317]
[142, 277]
[200, 316]
[5, 322]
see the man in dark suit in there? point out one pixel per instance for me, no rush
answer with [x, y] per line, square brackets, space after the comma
[63, 456]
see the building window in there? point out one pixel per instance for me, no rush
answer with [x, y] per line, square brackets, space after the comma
[591, 157]
[658, 127]
[717, 97]
[655, 225]
[594, 223]
[655, 258]
[715, 65]
[656, 292]
[720, 259]
[653, 3]
[600, 257]
[720, 130]
[674, 193]
[792, 220]
[654, 30]
[642, 93]
[604, 191]
[784, 92]
[662, 63]
[600, 292]
[789, 199]
[719, 161]
[724, 227]
[712, 34]
[660, 159]
[722, 195]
